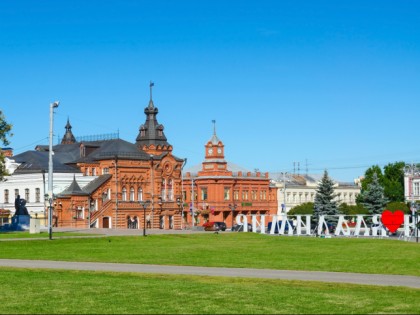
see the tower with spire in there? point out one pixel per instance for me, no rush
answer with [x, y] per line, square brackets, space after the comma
[151, 137]
[68, 137]
[214, 156]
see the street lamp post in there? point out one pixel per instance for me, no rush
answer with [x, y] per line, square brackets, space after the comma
[181, 209]
[50, 169]
[232, 209]
[411, 170]
[144, 204]
[284, 192]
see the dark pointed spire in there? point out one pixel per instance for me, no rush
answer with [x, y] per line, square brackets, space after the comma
[151, 132]
[74, 189]
[68, 136]
[214, 139]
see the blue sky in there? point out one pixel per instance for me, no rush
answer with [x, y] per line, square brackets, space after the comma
[329, 84]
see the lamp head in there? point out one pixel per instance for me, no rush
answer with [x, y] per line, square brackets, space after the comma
[55, 104]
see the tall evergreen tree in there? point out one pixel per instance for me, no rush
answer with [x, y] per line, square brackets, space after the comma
[324, 199]
[373, 197]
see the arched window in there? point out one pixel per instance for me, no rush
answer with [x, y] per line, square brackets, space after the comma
[124, 194]
[170, 190]
[140, 194]
[131, 194]
[37, 195]
[163, 190]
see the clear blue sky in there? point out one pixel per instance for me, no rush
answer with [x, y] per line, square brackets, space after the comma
[333, 83]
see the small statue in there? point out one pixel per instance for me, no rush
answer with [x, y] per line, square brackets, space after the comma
[20, 206]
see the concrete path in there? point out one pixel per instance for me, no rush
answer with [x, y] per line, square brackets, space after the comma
[355, 278]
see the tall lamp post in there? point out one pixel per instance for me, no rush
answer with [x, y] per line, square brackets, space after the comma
[50, 169]
[144, 205]
[412, 170]
[284, 192]
[181, 209]
[232, 209]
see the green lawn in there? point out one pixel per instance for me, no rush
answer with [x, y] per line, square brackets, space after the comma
[231, 250]
[80, 292]
[34, 291]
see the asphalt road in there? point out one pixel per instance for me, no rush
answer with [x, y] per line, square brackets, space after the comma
[355, 278]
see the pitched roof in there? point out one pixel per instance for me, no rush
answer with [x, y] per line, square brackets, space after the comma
[36, 161]
[96, 183]
[73, 189]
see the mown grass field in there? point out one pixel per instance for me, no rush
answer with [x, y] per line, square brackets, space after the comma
[79, 292]
[231, 250]
[31, 291]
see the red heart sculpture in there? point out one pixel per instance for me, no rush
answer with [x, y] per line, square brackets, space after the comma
[392, 220]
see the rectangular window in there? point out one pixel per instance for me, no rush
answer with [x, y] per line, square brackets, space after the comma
[93, 171]
[6, 196]
[184, 195]
[105, 171]
[16, 193]
[236, 194]
[193, 195]
[253, 194]
[416, 189]
[227, 193]
[203, 193]
[244, 194]
[80, 213]
[27, 194]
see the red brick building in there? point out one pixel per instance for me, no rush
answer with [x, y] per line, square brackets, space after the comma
[136, 182]
[223, 190]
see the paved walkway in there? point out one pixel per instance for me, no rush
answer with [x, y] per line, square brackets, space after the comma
[338, 277]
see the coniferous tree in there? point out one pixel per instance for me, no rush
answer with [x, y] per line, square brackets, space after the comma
[373, 197]
[324, 199]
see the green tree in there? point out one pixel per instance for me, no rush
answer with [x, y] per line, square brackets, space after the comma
[5, 129]
[368, 178]
[304, 208]
[394, 206]
[373, 197]
[324, 198]
[351, 210]
[393, 181]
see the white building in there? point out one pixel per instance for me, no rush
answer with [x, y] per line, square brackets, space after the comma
[412, 187]
[28, 174]
[30, 181]
[302, 188]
